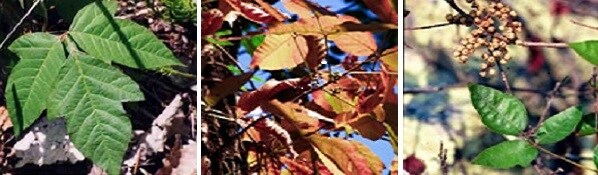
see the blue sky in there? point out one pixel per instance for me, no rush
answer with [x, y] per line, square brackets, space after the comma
[381, 147]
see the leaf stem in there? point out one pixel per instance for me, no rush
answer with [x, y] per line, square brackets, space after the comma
[429, 26]
[543, 44]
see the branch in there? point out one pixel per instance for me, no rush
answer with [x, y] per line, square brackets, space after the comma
[548, 104]
[543, 44]
[584, 25]
[562, 158]
[14, 29]
[428, 27]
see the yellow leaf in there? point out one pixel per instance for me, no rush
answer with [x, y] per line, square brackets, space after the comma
[280, 52]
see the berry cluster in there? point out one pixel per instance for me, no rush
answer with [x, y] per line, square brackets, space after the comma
[495, 27]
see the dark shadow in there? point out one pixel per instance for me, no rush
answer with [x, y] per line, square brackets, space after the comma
[120, 34]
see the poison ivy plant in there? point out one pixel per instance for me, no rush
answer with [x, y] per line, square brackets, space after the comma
[512, 121]
[588, 50]
[81, 85]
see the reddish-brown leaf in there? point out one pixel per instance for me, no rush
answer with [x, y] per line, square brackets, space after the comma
[352, 157]
[350, 62]
[226, 87]
[211, 21]
[368, 127]
[305, 8]
[368, 100]
[251, 11]
[272, 128]
[355, 43]
[297, 167]
[271, 10]
[316, 51]
[280, 52]
[271, 89]
[383, 9]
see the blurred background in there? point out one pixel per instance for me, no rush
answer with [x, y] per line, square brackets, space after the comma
[436, 100]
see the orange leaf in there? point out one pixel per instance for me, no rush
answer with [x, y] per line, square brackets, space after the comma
[305, 8]
[293, 113]
[355, 43]
[351, 157]
[271, 89]
[369, 127]
[394, 166]
[383, 9]
[280, 52]
[297, 167]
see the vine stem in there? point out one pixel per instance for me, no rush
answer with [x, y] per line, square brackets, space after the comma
[562, 158]
[14, 29]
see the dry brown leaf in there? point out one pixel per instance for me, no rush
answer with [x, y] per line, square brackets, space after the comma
[5, 122]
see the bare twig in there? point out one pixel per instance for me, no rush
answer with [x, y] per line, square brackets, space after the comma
[14, 29]
[543, 44]
[551, 96]
[428, 27]
[503, 76]
[584, 25]
[442, 156]
[562, 158]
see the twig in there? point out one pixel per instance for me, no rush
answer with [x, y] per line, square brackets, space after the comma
[236, 63]
[14, 29]
[543, 44]
[584, 25]
[503, 76]
[562, 158]
[428, 27]
[454, 6]
[442, 156]
[548, 104]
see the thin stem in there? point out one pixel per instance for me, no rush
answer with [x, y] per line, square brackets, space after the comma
[548, 104]
[584, 25]
[562, 158]
[543, 44]
[428, 27]
[14, 29]
[503, 76]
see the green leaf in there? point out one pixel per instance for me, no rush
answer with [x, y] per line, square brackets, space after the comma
[115, 40]
[596, 156]
[501, 112]
[89, 94]
[588, 50]
[32, 79]
[218, 42]
[507, 154]
[559, 126]
[252, 43]
[587, 125]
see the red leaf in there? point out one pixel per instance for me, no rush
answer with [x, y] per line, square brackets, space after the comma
[350, 62]
[272, 128]
[298, 167]
[211, 21]
[413, 165]
[558, 7]
[383, 9]
[252, 12]
[316, 51]
[271, 89]
[368, 100]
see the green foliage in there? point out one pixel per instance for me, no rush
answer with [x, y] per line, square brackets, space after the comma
[181, 10]
[501, 112]
[252, 43]
[33, 77]
[84, 88]
[507, 154]
[588, 50]
[115, 40]
[559, 126]
[587, 125]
